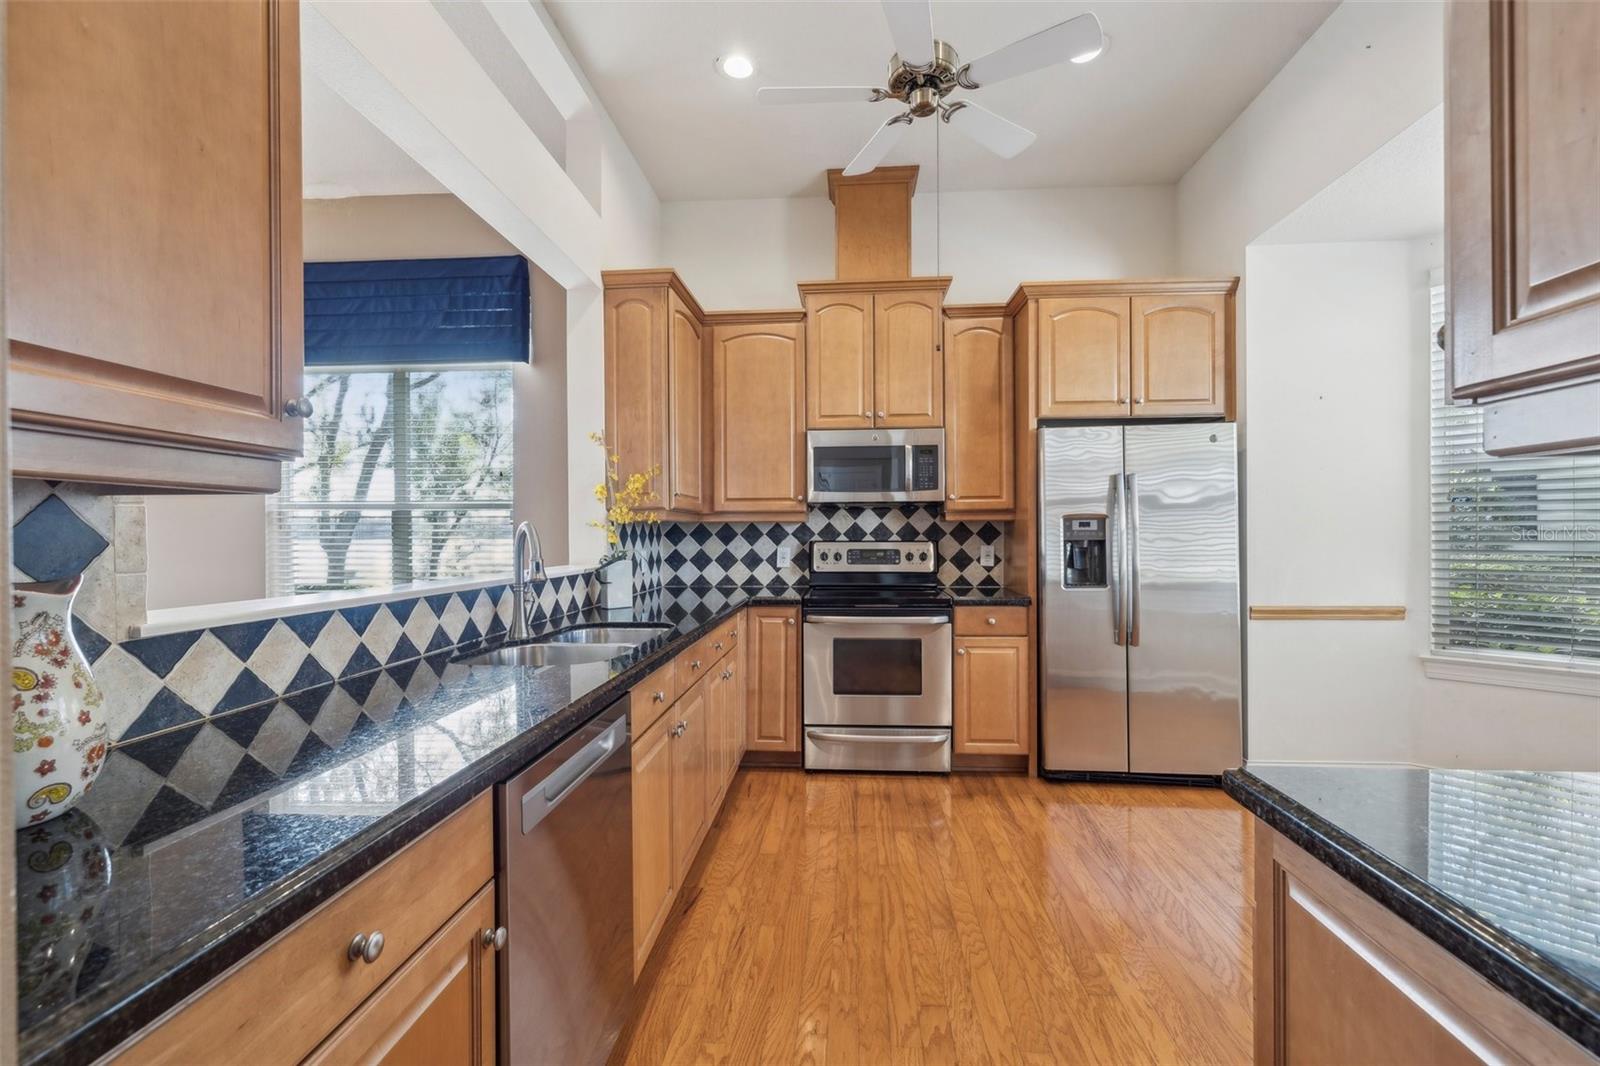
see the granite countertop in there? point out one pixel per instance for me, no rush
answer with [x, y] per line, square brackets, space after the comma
[987, 596]
[1500, 868]
[156, 885]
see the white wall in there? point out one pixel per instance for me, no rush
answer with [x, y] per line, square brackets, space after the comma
[737, 254]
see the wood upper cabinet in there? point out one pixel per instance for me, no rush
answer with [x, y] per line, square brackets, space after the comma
[438, 1007]
[654, 872]
[1522, 148]
[908, 358]
[758, 388]
[1180, 364]
[772, 688]
[655, 339]
[874, 353]
[152, 241]
[1129, 349]
[979, 410]
[839, 377]
[991, 705]
[689, 753]
[1084, 357]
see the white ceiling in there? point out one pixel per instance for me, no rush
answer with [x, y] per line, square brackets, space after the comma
[342, 154]
[1176, 74]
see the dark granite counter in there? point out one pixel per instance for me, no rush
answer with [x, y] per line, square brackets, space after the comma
[176, 868]
[987, 596]
[1500, 868]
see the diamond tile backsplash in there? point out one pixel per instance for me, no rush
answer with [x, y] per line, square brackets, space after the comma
[746, 553]
[154, 684]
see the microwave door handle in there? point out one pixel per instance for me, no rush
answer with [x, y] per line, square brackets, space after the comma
[910, 481]
[1114, 563]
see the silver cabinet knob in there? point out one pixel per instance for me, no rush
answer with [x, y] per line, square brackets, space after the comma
[733, 634]
[679, 729]
[1139, 399]
[954, 496]
[659, 697]
[880, 414]
[299, 407]
[992, 621]
[366, 947]
[789, 620]
[1122, 399]
[961, 651]
[495, 938]
[727, 675]
[717, 645]
[799, 499]
[694, 664]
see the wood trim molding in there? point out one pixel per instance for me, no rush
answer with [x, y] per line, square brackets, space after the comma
[1327, 614]
[906, 175]
[974, 310]
[881, 285]
[652, 277]
[735, 318]
[1033, 290]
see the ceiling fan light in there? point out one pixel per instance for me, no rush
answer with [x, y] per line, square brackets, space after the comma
[1094, 53]
[736, 66]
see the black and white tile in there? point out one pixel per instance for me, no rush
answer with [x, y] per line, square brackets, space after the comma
[745, 554]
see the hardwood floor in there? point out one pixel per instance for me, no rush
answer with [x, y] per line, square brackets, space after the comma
[849, 920]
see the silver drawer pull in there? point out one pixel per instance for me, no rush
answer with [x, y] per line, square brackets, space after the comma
[366, 947]
[993, 621]
[733, 634]
[717, 645]
[694, 664]
[659, 697]
[299, 407]
[495, 938]
[870, 738]
[961, 651]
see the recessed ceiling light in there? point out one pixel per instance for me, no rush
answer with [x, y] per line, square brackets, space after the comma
[1090, 57]
[736, 66]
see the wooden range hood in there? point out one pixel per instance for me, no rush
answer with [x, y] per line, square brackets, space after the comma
[872, 223]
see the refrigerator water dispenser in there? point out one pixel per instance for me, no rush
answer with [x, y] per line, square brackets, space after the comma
[1083, 551]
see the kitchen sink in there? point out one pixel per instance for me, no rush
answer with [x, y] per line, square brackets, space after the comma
[634, 634]
[544, 654]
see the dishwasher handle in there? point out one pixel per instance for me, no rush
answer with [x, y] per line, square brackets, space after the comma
[546, 796]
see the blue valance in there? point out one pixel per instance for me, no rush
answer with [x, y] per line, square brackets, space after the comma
[417, 311]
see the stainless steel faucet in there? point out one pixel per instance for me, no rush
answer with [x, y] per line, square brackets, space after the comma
[529, 565]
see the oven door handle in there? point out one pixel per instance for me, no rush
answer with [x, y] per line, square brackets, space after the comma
[878, 620]
[869, 738]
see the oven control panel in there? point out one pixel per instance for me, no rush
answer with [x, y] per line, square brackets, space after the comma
[873, 557]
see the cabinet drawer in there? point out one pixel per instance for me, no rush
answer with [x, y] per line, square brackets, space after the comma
[991, 621]
[652, 697]
[723, 639]
[306, 974]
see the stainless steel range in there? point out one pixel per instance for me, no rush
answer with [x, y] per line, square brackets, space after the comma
[876, 649]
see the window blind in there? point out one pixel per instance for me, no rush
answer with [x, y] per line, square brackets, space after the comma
[1520, 847]
[406, 477]
[1516, 542]
[391, 312]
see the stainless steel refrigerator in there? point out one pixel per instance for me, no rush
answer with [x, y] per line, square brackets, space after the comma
[1139, 616]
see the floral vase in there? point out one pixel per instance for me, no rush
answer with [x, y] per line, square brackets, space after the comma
[616, 584]
[58, 710]
[63, 868]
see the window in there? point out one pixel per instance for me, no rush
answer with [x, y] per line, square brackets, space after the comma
[406, 477]
[1516, 542]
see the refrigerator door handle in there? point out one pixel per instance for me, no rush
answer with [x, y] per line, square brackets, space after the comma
[1131, 494]
[1114, 549]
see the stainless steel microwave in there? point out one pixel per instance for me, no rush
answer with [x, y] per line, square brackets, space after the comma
[874, 465]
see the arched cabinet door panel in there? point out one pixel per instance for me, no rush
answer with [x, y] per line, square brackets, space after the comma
[758, 382]
[1180, 346]
[908, 358]
[839, 378]
[1083, 358]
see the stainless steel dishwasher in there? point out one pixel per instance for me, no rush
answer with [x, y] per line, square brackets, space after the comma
[566, 898]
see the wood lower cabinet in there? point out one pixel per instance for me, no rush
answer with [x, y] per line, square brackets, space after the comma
[772, 689]
[979, 413]
[689, 755]
[654, 873]
[758, 410]
[991, 703]
[655, 340]
[437, 1008]
[427, 990]
[874, 353]
[1129, 349]
[152, 241]
[1341, 979]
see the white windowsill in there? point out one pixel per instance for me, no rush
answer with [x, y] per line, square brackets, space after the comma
[209, 615]
[1511, 671]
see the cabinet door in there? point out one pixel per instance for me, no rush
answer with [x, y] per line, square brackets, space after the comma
[1180, 355]
[636, 329]
[716, 736]
[1084, 357]
[908, 358]
[759, 380]
[772, 690]
[686, 398]
[689, 751]
[979, 402]
[654, 884]
[1522, 155]
[839, 360]
[152, 228]
[438, 1007]
[991, 696]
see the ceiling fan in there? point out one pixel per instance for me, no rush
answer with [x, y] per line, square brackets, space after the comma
[925, 70]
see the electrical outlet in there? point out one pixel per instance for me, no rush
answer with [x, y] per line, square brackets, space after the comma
[986, 555]
[785, 556]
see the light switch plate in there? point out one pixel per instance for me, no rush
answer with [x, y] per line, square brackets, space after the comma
[785, 556]
[986, 555]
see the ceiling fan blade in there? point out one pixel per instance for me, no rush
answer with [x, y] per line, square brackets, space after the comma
[874, 151]
[1077, 38]
[911, 26]
[1001, 136]
[819, 94]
